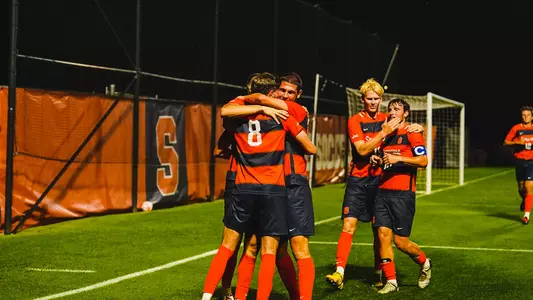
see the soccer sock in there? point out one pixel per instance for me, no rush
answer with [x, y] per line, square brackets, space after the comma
[287, 272]
[266, 275]
[421, 259]
[306, 277]
[230, 269]
[387, 265]
[529, 203]
[216, 269]
[343, 251]
[245, 274]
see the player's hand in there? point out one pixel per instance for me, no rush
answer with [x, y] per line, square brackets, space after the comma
[390, 159]
[414, 128]
[375, 160]
[276, 114]
[390, 126]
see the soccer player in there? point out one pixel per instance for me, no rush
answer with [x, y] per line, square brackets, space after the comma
[259, 193]
[521, 137]
[366, 130]
[225, 146]
[299, 201]
[403, 154]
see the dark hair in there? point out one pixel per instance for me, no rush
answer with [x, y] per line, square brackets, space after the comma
[293, 78]
[527, 107]
[400, 102]
[262, 83]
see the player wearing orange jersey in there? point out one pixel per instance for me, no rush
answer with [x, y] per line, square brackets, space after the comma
[366, 130]
[259, 194]
[521, 138]
[299, 201]
[403, 154]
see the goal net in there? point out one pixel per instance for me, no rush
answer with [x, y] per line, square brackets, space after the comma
[445, 142]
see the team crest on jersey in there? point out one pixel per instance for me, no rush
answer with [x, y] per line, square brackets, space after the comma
[399, 140]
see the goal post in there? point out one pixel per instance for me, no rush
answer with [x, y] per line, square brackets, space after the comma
[443, 120]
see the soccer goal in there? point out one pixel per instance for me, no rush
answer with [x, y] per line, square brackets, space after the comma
[444, 123]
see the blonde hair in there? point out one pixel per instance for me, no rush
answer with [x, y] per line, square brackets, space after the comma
[371, 85]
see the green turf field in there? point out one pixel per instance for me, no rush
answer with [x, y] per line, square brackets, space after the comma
[474, 235]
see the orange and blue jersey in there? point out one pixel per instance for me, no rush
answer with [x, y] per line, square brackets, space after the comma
[295, 166]
[362, 127]
[259, 153]
[401, 176]
[524, 133]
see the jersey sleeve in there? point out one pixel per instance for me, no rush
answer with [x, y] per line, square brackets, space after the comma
[292, 126]
[296, 110]
[511, 135]
[416, 139]
[354, 130]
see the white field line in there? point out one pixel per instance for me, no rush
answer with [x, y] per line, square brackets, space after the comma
[438, 247]
[60, 270]
[212, 252]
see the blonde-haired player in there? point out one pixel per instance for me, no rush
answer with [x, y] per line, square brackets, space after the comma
[366, 130]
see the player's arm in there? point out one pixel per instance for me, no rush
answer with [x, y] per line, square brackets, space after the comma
[367, 147]
[510, 139]
[298, 132]
[238, 111]
[306, 143]
[260, 99]
[419, 159]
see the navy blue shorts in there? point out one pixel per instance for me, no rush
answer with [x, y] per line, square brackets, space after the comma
[395, 210]
[524, 170]
[359, 199]
[300, 213]
[265, 215]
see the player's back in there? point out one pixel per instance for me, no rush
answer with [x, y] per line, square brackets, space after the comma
[259, 154]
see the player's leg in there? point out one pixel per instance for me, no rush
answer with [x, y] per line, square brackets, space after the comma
[286, 269]
[272, 225]
[227, 277]
[403, 213]
[387, 261]
[246, 268]
[528, 201]
[267, 268]
[352, 206]
[218, 264]
[383, 221]
[522, 192]
[236, 221]
[371, 196]
[301, 222]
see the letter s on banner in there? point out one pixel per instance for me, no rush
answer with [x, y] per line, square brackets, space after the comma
[167, 174]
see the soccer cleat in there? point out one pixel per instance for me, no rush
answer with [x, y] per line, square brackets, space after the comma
[526, 220]
[389, 288]
[336, 279]
[425, 275]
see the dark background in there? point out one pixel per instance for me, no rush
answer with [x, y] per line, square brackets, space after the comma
[476, 52]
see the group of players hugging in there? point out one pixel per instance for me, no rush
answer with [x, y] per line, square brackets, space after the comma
[268, 202]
